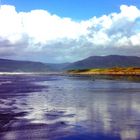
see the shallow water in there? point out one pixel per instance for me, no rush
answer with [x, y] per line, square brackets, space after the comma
[52, 107]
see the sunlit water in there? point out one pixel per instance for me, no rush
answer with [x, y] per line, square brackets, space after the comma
[56, 107]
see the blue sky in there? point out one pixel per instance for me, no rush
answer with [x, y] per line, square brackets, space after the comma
[56, 31]
[75, 9]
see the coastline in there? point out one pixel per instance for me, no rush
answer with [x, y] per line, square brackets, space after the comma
[30, 73]
[115, 71]
[131, 71]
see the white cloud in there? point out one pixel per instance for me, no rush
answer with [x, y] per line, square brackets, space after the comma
[131, 13]
[40, 35]
[135, 40]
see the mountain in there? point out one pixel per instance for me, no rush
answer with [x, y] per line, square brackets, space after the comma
[106, 62]
[91, 62]
[29, 66]
[22, 66]
[58, 67]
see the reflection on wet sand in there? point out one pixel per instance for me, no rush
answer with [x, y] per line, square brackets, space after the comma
[66, 108]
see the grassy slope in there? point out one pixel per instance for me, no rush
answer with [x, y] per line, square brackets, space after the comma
[108, 71]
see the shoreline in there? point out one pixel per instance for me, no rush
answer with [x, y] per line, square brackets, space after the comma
[30, 73]
[117, 71]
[109, 74]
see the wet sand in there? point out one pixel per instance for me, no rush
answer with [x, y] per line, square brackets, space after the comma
[53, 107]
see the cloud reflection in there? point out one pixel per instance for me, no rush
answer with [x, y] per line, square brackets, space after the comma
[75, 106]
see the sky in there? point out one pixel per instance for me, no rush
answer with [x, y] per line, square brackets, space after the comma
[58, 31]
